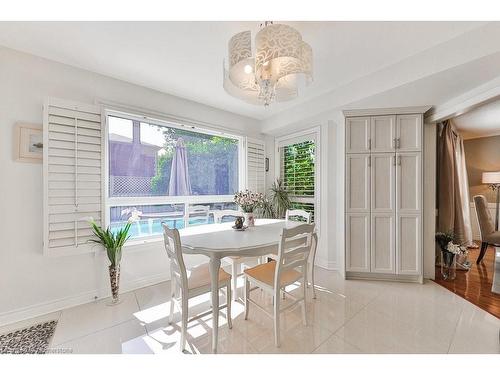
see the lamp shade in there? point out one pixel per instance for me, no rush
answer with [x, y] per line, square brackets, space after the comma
[491, 178]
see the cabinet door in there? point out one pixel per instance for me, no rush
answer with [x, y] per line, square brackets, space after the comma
[409, 182]
[383, 201]
[357, 134]
[409, 213]
[357, 242]
[409, 133]
[409, 244]
[357, 177]
[383, 133]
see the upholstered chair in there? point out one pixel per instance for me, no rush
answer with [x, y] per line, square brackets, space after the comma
[486, 226]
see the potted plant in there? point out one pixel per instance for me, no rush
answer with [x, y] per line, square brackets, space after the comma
[449, 253]
[113, 243]
[248, 203]
[280, 199]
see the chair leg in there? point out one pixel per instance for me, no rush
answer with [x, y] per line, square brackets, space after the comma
[228, 301]
[172, 301]
[484, 247]
[247, 295]
[312, 281]
[184, 314]
[234, 279]
[304, 286]
[277, 318]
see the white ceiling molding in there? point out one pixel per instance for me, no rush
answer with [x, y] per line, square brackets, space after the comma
[464, 49]
[466, 102]
[385, 111]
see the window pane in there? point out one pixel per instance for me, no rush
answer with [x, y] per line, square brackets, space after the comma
[120, 129]
[147, 220]
[297, 168]
[153, 163]
[203, 213]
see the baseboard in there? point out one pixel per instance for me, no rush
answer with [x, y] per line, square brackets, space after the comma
[323, 263]
[33, 311]
[383, 277]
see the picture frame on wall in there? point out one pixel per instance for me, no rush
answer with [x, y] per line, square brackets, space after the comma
[28, 143]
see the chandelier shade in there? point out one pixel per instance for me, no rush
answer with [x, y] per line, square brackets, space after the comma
[282, 62]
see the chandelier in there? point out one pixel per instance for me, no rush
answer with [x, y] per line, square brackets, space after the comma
[282, 62]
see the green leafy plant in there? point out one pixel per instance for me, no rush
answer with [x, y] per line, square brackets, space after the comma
[279, 198]
[112, 241]
[266, 209]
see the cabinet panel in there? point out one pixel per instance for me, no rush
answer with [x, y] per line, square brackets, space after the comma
[383, 133]
[408, 238]
[409, 182]
[383, 182]
[357, 242]
[357, 183]
[409, 132]
[383, 239]
[357, 134]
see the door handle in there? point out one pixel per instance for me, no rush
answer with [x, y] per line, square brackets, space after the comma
[369, 160]
[394, 143]
[398, 143]
[394, 160]
[399, 159]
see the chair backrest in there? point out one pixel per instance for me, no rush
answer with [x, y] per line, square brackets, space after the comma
[294, 250]
[220, 214]
[483, 214]
[298, 213]
[314, 245]
[173, 247]
[199, 212]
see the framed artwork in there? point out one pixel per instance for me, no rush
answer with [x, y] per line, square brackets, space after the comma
[29, 143]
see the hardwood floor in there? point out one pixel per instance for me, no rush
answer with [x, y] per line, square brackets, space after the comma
[475, 285]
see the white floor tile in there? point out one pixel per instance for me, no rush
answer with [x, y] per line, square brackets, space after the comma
[348, 316]
[335, 345]
[477, 332]
[92, 317]
[113, 340]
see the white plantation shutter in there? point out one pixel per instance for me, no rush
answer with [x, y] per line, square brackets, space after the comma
[72, 160]
[256, 166]
[298, 170]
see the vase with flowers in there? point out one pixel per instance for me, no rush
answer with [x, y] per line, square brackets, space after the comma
[248, 202]
[450, 251]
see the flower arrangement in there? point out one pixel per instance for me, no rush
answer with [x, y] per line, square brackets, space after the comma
[446, 243]
[450, 251]
[248, 201]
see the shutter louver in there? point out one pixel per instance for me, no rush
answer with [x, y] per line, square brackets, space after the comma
[256, 166]
[72, 175]
[297, 171]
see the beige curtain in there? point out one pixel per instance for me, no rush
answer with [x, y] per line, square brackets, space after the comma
[453, 185]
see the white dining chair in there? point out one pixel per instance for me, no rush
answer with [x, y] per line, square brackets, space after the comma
[300, 214]
[199, 212]
[235, 262]
[273, 277]
[190, 283]
[306, 217]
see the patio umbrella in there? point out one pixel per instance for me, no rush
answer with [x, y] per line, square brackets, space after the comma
[179, 177]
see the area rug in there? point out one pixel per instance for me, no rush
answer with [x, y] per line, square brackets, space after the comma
[31, 340]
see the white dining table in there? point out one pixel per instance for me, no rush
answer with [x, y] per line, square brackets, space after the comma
[217, 241]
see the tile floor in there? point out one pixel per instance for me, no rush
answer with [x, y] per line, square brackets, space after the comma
[347, 317]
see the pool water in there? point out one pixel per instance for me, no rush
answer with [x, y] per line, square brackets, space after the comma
[153, 227]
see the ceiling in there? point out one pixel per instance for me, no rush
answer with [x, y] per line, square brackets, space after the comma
[185, 58]
[480, 122]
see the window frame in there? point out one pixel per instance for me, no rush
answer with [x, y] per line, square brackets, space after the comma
[187, 200]
[312, 134]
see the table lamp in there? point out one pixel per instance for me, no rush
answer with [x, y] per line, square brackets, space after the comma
[492, 179]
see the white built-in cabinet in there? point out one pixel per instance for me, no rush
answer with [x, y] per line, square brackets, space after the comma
[383, 195]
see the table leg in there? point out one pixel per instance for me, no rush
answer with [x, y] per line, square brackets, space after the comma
[214, 276]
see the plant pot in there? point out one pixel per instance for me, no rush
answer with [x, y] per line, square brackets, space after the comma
[114, 278]
[249, 219]
[448, 265]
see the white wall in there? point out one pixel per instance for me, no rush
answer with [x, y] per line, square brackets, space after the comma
[330, 253]
[29, 282]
